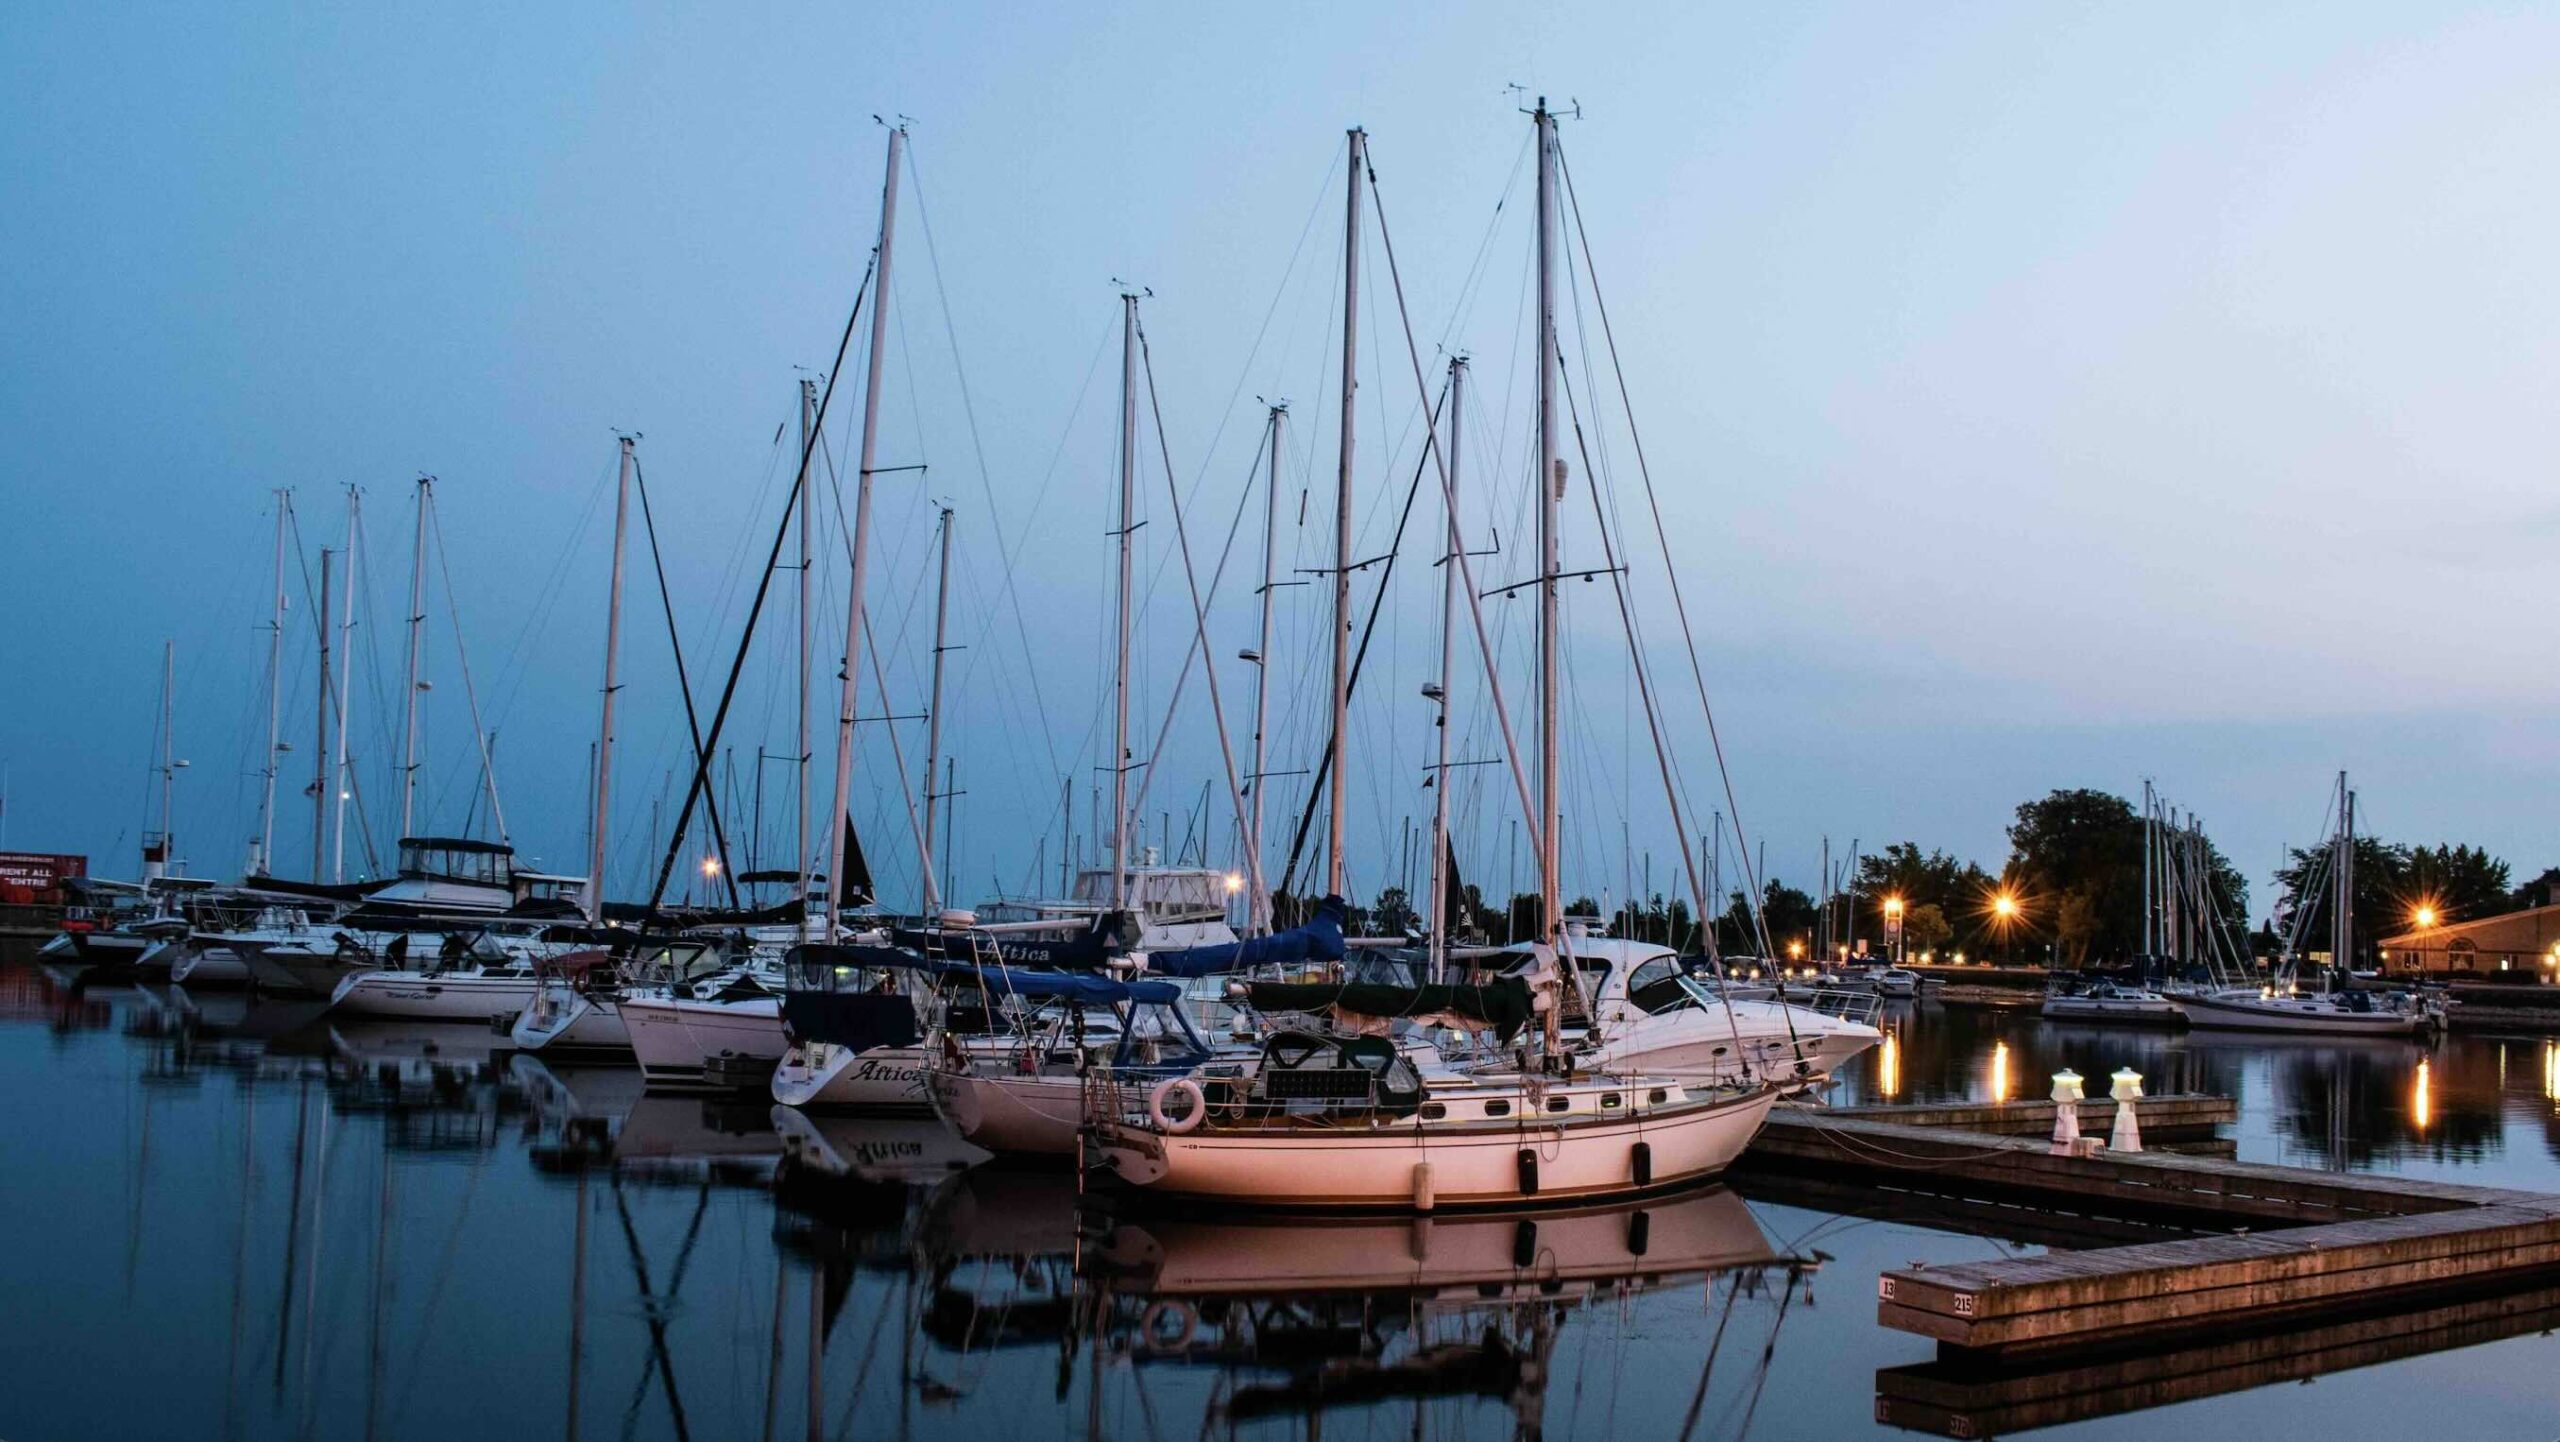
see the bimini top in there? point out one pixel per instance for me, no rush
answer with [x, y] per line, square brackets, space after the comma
[1319, 940]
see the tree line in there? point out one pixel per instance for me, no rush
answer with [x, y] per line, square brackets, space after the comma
[2070, 892]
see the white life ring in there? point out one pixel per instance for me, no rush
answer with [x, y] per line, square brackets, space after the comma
[1151, 1326]
[1167, 1087]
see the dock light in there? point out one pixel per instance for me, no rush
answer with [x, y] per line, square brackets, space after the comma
[2066, 1112]
[711, 866]
[1795, 949]
[2004, 906]
[2126, 1136]
[1235, 883]
[2426, 916]
[1959, 958]
[1893, 906]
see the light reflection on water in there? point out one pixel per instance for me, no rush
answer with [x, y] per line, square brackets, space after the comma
[394, 1230]
[2468, 1107]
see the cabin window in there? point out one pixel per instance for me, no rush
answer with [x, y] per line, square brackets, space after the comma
[1557, 1104]
[1497, 1109]
[1433, 1111]
[1655, 986]
[1658, 1095]
[1612, 1102]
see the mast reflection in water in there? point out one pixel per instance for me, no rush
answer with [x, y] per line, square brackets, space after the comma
[307, 1229]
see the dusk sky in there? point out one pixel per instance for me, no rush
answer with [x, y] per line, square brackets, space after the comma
[2037, 396]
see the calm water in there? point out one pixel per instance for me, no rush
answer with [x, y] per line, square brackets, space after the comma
[244, 1223]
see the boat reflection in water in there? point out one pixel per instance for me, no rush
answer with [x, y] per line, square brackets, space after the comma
[1318, 1313]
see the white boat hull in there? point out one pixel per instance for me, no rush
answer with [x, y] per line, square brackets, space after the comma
[2120, 1011]
[422, 997]
[882, 1078]
[2303, 1015]
[676, 1041]
[576, 1025]
[1473, 1164]
[1037, 1116]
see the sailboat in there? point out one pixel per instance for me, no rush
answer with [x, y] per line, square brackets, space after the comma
[2278, 1006]
[1330, 1121]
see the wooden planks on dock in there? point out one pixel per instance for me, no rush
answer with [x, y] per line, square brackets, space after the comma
[2302, 1243]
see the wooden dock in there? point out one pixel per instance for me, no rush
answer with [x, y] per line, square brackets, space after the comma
[2291, 1242]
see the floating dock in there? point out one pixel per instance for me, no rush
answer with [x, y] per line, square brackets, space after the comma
[2289, 1243]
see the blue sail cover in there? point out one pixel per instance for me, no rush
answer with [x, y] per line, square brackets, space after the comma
[1319, 940]
[1071, 985]
[809, 962]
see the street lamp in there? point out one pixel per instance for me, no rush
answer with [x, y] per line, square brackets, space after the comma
[1893, 929]
[2004, 907]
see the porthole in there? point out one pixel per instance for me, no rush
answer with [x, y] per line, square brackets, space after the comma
[1612, 1102]
[1433, 1111]
[1658, 1095]
[1497, 1109]
[1557, 1104]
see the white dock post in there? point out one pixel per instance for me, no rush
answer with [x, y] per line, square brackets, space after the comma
[2066, 1112]
[2127, 1135]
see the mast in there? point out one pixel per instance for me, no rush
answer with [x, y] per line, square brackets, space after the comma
[262, 852]
[1258, 921]
[2341, 915]
[1338, 778]
[156, 867]
[343, 779]
[1441, 901]
[417, 630]
[320, 740]
[843, 799]
[933, 714]
[1120, 666]
[800, 881]
[601, 826]
[2150, 907]
[1550, 481]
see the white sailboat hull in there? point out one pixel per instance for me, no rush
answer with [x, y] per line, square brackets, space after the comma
[1472, 1164]
[2303, 1015]
[881, 1078]
[573, 1025]
[675, 1040]
[1037, 1116]
[2123, 1011]
[420, 996]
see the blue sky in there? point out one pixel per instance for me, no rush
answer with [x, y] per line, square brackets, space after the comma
[2037, 396]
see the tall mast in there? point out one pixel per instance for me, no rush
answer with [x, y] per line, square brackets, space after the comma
[1259, 919]
[417, 631]
[262, 853]
[1340, 775]
[2341, 915]
[320, 738]
[2150, 908]
[800, 881]
[1550, 480]
[843, 800]
[342, 778]
[601, 826]
[1441, 901]
[155, 869]
[1120, 666]
[933, 713]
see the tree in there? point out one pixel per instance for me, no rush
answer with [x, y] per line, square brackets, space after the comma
[1935, 880]
[1925, 927]
[2393, 883]
[1790, 915]
[2076, 863]
[1394, 914]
